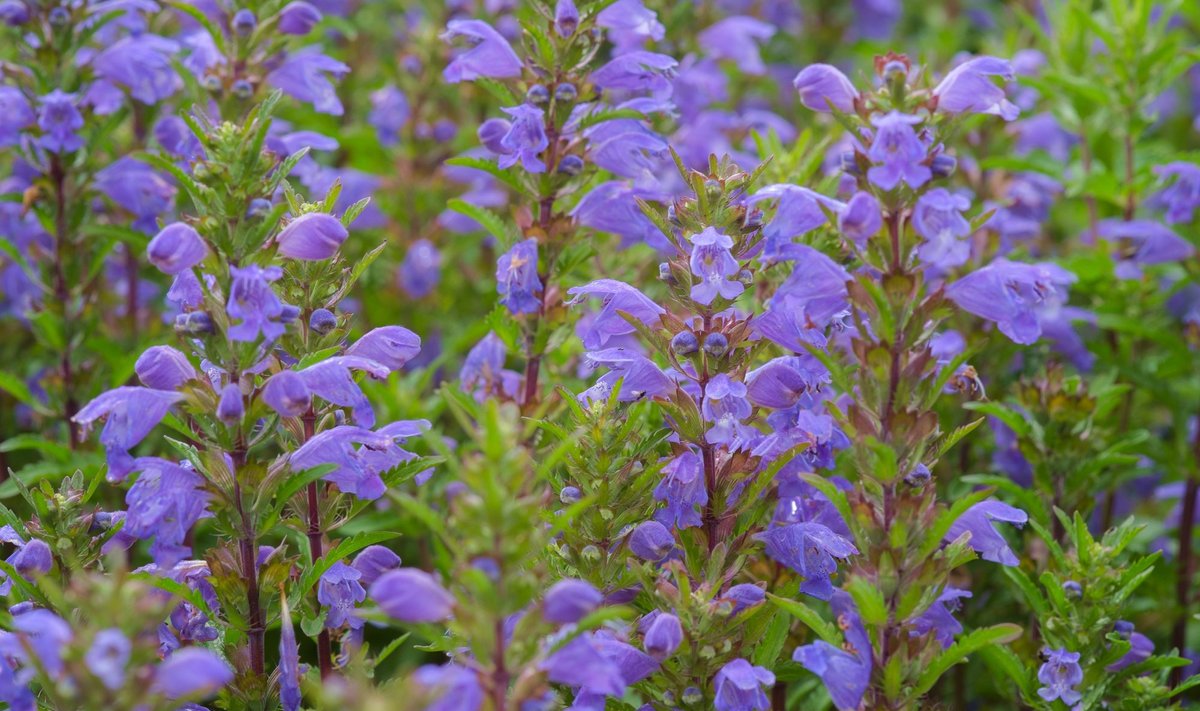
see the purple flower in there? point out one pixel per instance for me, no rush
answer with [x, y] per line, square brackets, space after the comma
[38, 637]
[286, 393]
[861, 218]
[651, 541]
[139, 189]
[810, 550]
[132, 412]
[304, 76]
[846, 672]
[31, 559]
[163, 368]
[682, 488]
[525, 139]
[939, 617]
[569, 600]
[613, 207]
[1059, 675]
[797, 212]
[1179, 198]
[639, 376]
[736, 39]
[176, 248]
[637, 72]
[618, 297]
[298, 18]
[455, 687]
[483, 370]
[1143, 242]
[389, 113]
[340, 591]
[938, 219]
[412, 595]
[60, 121]
[713, 262]
[312, 237]
[357, 468]
[663, 636]
[744, 596]
[289, 662]
[738, 686]
[1011, 294]
[332, 380]
[230, 407]
[142, 65]
[165, 503]
[822, 85]
[192, 672]
[15, 115]
[566, 18]
[583, 663]
[979, 523]
[969, 88]
[254, 303]
[517, 278]
[374, 561]
[725, 407]
[390, 346]
[1141, 648]
[630, 24]
[420, 271]
[108, 657]
[900, 155]
[490, 55]
[628, 148]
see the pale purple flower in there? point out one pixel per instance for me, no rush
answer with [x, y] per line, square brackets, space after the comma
[938, 219]
[360, 456]
[525, 139]
[739, 686]
[663, 636]
[298, 18]
[1179, 198]
[455, 687]
[725, 407]
[132, 412]
[570, 600]
[389, 113]
[490, 55]
[1059, 675]
[15, 115]
[59, 120]
[797, 211]
[142, 65]
[713, 262]
[339, 591]
[420, 271]
[374, 561]
[618, 297]
[165, 503]
[176, 248]
[682, 489]
[139, 189]
[304, 76]
[861, 218]
[630, 24]
[390, 346]
[639, 376]
[898, 153]
[254, 304]
[846, 672]
[312, 237]
[108, 656]
[1011, 294]
[163, 368]
[822, 85]
[651, 541]
[517, 278]
[736, 39]
[412, 595]
[613, 207]
[566, 18]
[289, 662]
[810, 549]
[31, 558]
[938, 618]
[969, 88]
[637, 72]
[979, 522]
[287, 394]
[1143, 242]
[191, 672]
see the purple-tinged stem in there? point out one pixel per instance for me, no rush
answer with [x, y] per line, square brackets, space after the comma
[324, 645]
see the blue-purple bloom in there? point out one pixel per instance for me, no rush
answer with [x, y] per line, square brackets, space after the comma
[254, 303]
[31, 559]
[797, 211]
[846, 672]
[132, 412]
[713, 262]
[1179, 198]
[630, 24]
[736, 39]
[108, 657]
[738, 686]
[1011, 294]
[637, 72]
[289, 661]
[176, 248]
[490, 55]
[725, 407]
[339, 590]
[192, 672]
[938, 219]
[822, 85]
[978, 522]
[861, 218]
[569, 600]
[1059, 675]
[304, 76]
[454, 687]
[390, 346]
[15, 115]
[165, 503]
[412, 595]
[651, 541]
[360, 456]
[969, 88]
[524, 139]
[389, 113]
[60, 121]
[141, 64]
[420, 271]
[298, 18]
[938, 619]
[682, 489]
[1143, 242]
[663, 635]
[899, 154]
[810, 549]
[517, 278]
[312, 237]
[163, 368]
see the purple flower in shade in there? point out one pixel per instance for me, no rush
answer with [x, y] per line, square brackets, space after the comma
[682, 489]
[663, 636]
[875, 19]
[1179, 198]
[389, 346]
[163, 368]
[569, 600]
[1140, 648]
[176, 248]
[108, 656]
[421, 269]
[1042, 132]
[287, 394]
[177, 140]
[846, 672]
[969, 88]
[713, 262]
[491, 132]
[60, 121]
[359, 456]
[725, 407]
[810, 550]
[230, 407]
[31, 559]
[15, 115]
[412, 595]
[979, 522]
[630, 24]
[389, 113]
[490, 54]
[1011, 294]
[340, 591]
[298, 18]
[637, 72]
[628, 148]
[736, 39]
[639, 376]
[304, 76]
[651, 541]
[900, 155]
[289, 661]
[454, 687]
[254, 303]
[132, 412]
[312, 237]
[738, 686]
[165, 503]
[1059, 675]
[938, 219]
[517, 279]
[1143, 242]
[525, 139]
[374, 561]
[797, 212]
[744, 596]
[566, 18]
[192, 672]
[861, 218]
[483, 370]
[618, 297]
[823, 85]
[142, 65]
[613, 207]
[137, 188]
[37, 638]
[782, 382]
[939, 617]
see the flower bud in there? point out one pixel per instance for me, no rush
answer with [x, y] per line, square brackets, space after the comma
[59, 17]
[1124, 628]
[570, 165]
[861, 218]
[1072, 589]
[211, 82]
[591, 554]
[684, 344]
[569, 495]
[663, 636]
[893, 69]
[176, 248]
[244, 22]
[821, 85]
[194, 324]
[715, 344]
[919, 476]
[651, 541]
[390, 346]
[412, 595]
[258, 207]
[312, 237]
[537, 95]
[14, 13]
[243, 89]
[692, 696]
[943, 166]
[163, 368]
[298, 18]
[569, 600]
[287, 394]
[848, 162]
[230, 408]
[491, 132]
[565, 93]
[322, 321]
[566, 18]
[289, 313]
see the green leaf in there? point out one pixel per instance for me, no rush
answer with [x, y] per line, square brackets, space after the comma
[771, 646]
[819, 625]
[488, 220]
[491, 168]
[965, 646]
[869, 599]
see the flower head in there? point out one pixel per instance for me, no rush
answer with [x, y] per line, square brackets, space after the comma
[1012, 295]
[969, 88]
[312, 237]
[978, 522]
[810, 550]
[412, 595]
[1059, 675]
[712, 261]
[339, 590]
[682, 489]
[517, 278]
[822, 85]
[60, 120]
[254, 303]
[899, 154]
[738, 686]
[490, 55]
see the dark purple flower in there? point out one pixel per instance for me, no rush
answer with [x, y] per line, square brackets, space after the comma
[254, 303]
[810, 550]
[1059, 675]
[900, 155]
[60, 121]
[412, 595]
[822, 85]
[969, 88]
[682, 489]
[938, 618]
[176, 248]
[192, 672]
[712, 261]
[489, 56]
[938, 219]
[163, 368]
[312, 237]
[736, 39]
[15, 115]
[108, 657]
[861, 218]
[517, 278]
[525, 139]
[1011, 294]
[846, 672]
[630, 24]
[339, 591]
[304, 76]
[132, 412]
[374, 561]
[979, 522]
[566, 18]
[1179, 198]
[738, 686]
[569, 600]
[651, 541]
[663, 636]
[142, 64]
[165, 503]
[618, 297]
[390, 346]
[298, 18]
